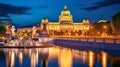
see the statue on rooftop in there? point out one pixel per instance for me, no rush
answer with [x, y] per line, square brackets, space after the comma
[34, 29]
[13, 31]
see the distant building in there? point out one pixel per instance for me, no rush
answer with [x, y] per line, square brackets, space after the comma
[102, 20]
[3, 22]
[7, 24]
[65, 24]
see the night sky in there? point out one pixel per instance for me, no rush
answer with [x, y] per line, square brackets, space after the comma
[30, 12]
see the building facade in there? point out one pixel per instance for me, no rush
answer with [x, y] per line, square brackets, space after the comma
[64, 26]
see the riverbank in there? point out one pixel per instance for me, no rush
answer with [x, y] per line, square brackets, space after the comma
[42, 46]
[87, 45]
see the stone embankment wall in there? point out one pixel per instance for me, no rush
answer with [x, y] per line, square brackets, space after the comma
[88, 45]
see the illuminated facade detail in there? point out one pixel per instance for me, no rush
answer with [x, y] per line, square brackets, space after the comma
[65, 25]
[8, 29]
[27, 31]
[65, 17]
[13, 31]
[34, 31]
[44, 24]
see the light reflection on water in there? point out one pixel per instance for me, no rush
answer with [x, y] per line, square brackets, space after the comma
[56, 57]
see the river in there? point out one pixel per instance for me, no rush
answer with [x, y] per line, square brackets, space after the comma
[57, 57]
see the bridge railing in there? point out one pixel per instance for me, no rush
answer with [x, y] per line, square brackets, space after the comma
[101, 40]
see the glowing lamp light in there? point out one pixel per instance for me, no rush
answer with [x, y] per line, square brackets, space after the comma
[21, 38]
[104, 27]
[91, 27]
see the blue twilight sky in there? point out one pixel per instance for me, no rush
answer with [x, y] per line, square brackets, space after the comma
[30, 12]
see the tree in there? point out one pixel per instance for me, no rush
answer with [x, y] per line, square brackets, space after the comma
[116, 23]
[2, 30]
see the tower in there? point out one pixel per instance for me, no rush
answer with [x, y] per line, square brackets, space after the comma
[44, 24]
[65, 16]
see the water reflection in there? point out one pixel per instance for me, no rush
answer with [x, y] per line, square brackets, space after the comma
[44, 57]
[20, 55]
[33, 55]
[10, 59]
[91, 58]
[65, 58]
[104, 59]
[41, 57]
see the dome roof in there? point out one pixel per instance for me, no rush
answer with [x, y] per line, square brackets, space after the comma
[85, 21]
[102, 20]
[44, 20]
[65, 11]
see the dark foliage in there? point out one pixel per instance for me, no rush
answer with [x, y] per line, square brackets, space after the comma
[116, 23]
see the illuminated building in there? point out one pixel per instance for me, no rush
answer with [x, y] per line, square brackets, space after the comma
[102, 20]
[64, 25]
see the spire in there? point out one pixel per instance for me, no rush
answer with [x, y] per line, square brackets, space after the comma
[65, 7]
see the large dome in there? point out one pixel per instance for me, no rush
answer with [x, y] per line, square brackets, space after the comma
[65, 11]
[44, 20]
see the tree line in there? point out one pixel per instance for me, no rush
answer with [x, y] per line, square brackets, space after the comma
[108, 28]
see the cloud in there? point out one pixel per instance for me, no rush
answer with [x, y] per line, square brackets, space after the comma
[6, 9]
[104, 3]
[42, 7]
[80, 5]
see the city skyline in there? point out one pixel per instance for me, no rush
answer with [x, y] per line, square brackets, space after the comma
[27, 13]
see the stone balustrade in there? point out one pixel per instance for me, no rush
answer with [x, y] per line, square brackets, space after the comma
[101, 40]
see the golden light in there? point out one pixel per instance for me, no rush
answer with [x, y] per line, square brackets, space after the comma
[34, 58]
[25, 34]
[91, 27]
[98, 32]
[21, 38]
[12, 59]
[2, 37]
[104, 26]
[84, 56]
[65, 58]
[91, 59]
[20, 57]
[104, 59]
